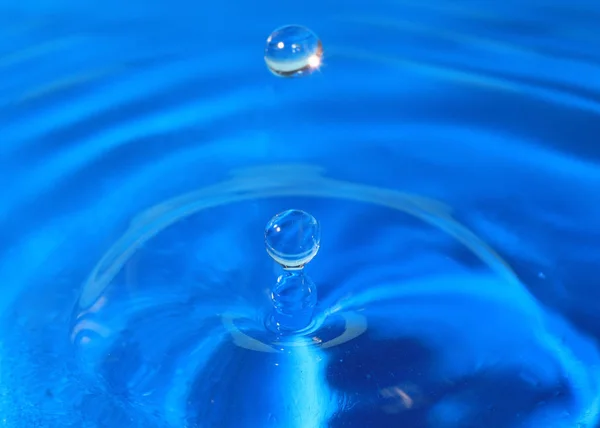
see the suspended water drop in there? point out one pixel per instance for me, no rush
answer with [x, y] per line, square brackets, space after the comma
[293, 51]
[292, 238]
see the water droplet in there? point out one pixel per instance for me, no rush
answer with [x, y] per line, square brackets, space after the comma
[292, 238]
[293, 51]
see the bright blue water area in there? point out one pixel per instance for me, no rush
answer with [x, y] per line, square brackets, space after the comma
[448, 150]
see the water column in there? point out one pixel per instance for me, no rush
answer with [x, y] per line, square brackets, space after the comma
[292, 239]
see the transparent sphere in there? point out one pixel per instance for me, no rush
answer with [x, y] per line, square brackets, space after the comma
[293, 51]
[292, 238]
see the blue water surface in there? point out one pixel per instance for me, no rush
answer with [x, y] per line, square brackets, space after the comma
[450, 151]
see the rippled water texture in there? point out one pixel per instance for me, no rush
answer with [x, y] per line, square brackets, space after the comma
[482, 298]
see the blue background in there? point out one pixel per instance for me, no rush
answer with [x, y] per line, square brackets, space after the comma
[109, 108]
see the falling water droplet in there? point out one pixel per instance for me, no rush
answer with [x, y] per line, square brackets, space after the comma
[292, 238]
[293, 51]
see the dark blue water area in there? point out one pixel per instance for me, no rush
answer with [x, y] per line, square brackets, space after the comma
[449, 151]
